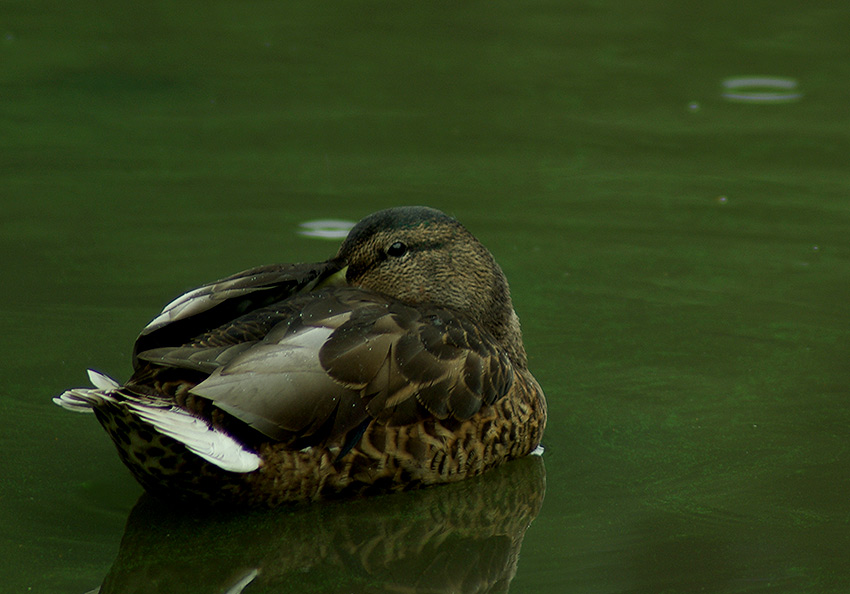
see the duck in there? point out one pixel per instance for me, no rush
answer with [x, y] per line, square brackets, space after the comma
[397, 363]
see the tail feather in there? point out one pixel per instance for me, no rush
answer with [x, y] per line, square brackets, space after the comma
[84, 400]
[102, 381]
[81, 400]
[208, 442]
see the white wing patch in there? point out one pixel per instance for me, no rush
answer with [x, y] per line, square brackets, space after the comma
[209, 443]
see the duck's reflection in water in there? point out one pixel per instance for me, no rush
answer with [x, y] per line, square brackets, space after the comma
[461, 538]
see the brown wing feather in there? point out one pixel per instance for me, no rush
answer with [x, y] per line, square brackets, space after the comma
[278, 385]
[319, 366]
[410, 363]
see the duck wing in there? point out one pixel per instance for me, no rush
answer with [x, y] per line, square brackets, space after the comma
[332, 361]
[215, 304]
[409, 363]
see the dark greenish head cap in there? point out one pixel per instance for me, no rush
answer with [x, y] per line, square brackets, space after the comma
[395, 219]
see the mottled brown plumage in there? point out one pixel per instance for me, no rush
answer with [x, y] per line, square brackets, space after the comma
[397, 363]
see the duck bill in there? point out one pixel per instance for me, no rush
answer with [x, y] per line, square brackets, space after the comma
[337, 279]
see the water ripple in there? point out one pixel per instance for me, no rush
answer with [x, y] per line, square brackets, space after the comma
[325, 228]
[760, 89]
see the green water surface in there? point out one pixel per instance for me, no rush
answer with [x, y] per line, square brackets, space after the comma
[680, 262]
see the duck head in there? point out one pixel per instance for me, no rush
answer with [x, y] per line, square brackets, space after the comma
[422, 256]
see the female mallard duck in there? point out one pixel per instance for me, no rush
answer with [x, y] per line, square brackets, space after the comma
[397, 363]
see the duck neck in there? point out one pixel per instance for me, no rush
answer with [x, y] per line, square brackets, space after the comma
[504, 323]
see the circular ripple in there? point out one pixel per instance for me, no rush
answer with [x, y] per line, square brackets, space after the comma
[325, 228]
[760, 89]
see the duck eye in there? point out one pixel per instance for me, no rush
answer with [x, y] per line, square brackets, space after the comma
[397, 250]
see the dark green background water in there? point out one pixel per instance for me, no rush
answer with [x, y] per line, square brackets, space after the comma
[681, 263]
